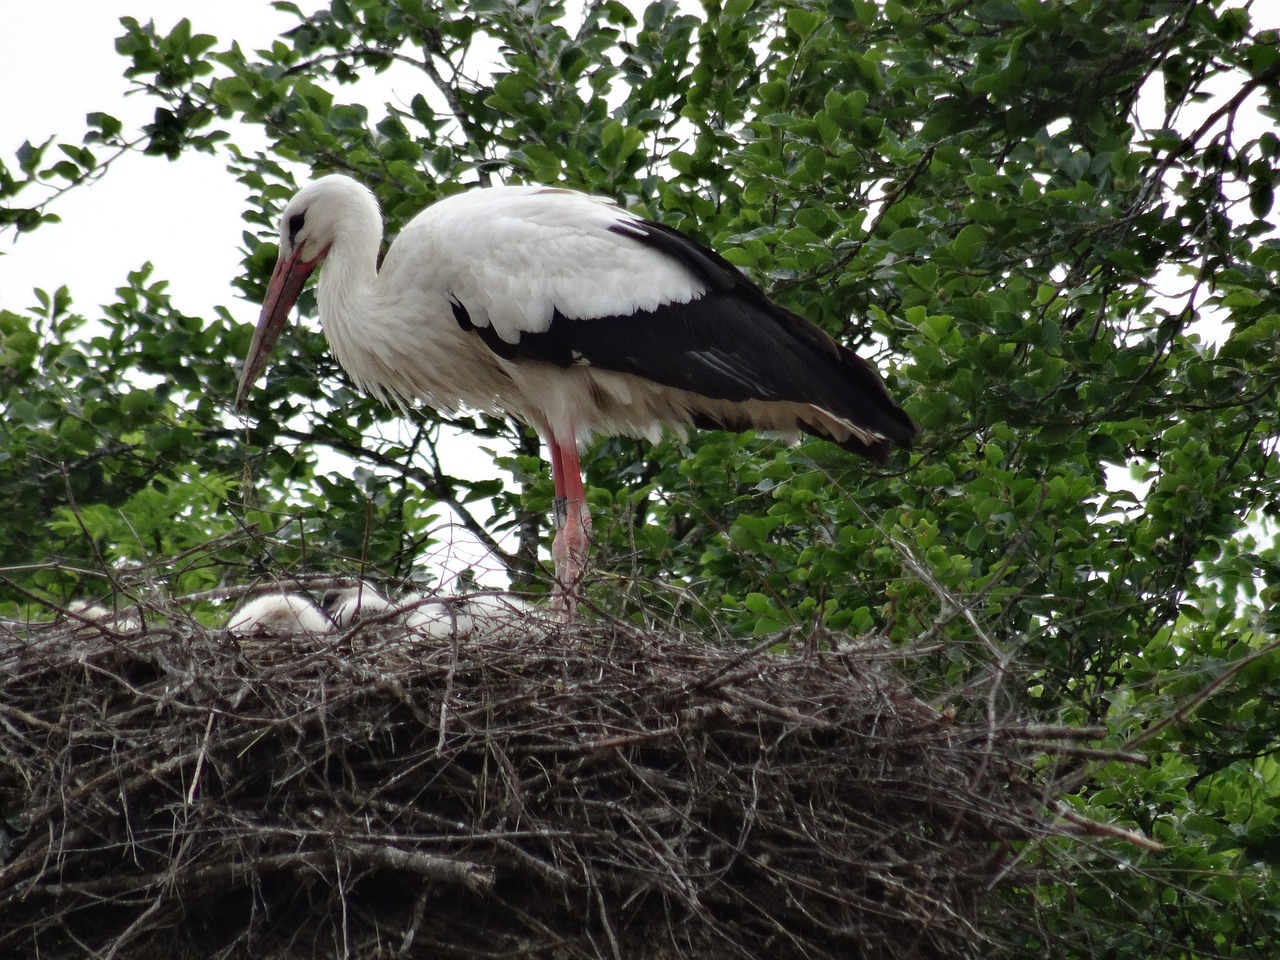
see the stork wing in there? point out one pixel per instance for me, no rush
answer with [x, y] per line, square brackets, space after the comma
[517, 256]
[562, 278]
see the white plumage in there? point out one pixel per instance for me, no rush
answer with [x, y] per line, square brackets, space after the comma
[559, 252]
[435, 617]
[347, 605]
[569, 313]
[279, 615]
[423, 616]
[123, 622]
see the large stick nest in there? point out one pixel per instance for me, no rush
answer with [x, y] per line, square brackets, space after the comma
[540, 792]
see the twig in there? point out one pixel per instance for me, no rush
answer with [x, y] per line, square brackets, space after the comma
[204, 748]
[1096, 829]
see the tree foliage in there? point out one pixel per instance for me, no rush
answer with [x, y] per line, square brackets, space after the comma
[1049, 224]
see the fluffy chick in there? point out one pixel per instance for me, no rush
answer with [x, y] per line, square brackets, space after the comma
[279, 614]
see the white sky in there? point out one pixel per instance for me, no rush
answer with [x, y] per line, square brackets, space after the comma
[184, 216]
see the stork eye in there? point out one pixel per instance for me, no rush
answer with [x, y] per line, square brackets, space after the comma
[295, 224]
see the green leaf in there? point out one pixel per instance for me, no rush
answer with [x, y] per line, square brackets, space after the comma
[1261, 199]
[804, 22]
[968, 243]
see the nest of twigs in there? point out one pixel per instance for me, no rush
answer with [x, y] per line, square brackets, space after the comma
[540, 791]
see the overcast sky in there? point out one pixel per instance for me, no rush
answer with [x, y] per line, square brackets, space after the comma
[58, 63]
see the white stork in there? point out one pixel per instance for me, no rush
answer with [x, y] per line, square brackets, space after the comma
[425, 617]
[83, 611]
[279, 614]
[571, 314]
[346, 605]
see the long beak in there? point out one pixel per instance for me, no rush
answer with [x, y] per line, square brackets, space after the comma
[282, 293]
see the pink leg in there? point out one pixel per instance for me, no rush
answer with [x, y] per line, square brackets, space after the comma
[573, 523]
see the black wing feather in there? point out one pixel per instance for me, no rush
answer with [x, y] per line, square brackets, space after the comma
[732, 344]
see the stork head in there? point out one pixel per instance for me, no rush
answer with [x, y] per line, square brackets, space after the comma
[317, 217]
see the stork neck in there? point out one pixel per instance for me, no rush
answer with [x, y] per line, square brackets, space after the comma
[349, 278]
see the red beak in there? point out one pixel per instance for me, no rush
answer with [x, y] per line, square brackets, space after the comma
[282, 293]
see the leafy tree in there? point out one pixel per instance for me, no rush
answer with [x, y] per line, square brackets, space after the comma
[1050, 224]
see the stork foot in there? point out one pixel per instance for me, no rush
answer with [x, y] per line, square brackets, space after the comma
[569, 551]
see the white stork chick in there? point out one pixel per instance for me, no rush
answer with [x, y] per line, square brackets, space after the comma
[100, 614]
[90, 611]
[346, 605]
[436, 618]
[423, 616]
[570, 314]
[279, 614]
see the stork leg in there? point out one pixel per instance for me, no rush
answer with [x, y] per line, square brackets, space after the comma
[572, 521]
